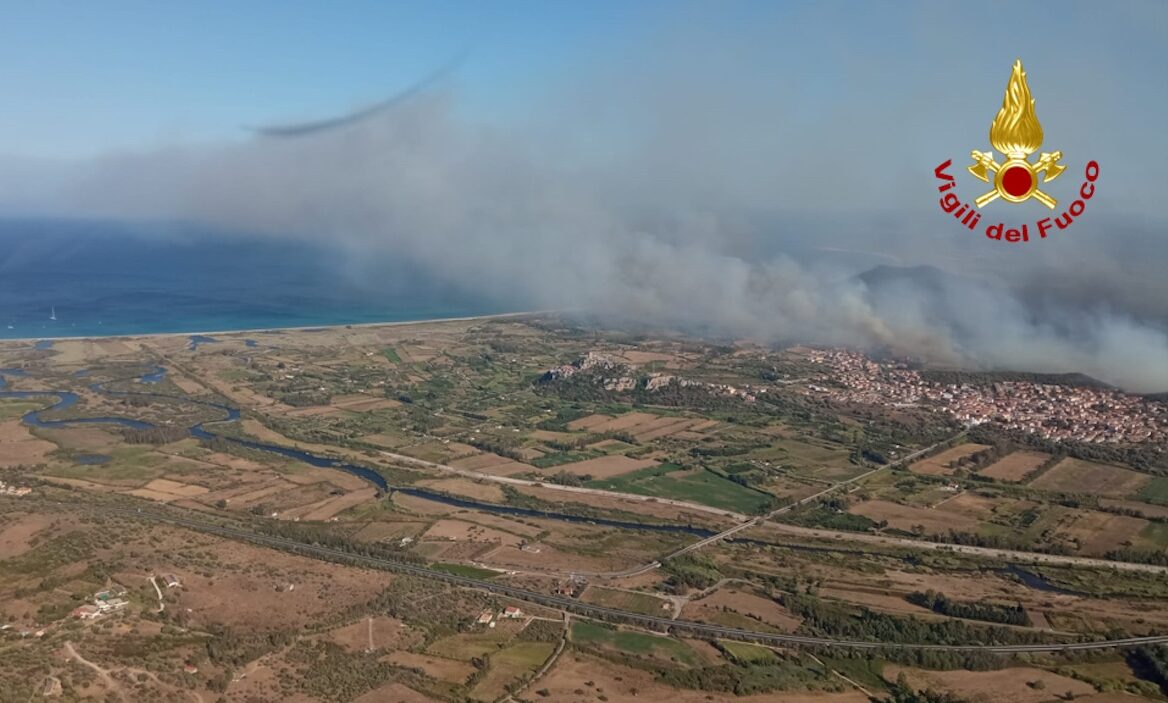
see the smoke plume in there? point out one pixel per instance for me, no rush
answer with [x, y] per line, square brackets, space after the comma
[711, 203]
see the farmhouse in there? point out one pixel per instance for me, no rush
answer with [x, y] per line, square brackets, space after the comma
[512, 612]
[86, 612]
[171, 581]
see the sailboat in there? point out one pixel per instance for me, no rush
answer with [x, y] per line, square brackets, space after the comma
[53, 314]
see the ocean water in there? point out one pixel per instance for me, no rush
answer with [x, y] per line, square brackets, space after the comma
[105, 279]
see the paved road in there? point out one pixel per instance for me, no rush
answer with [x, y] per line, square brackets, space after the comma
[635, 571]
[599, 612]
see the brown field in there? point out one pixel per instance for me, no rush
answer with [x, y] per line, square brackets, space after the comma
[624, 684]
[751, 605]
[16, 533]
[551, 559]
[314, 411]
[1145, 508]
[492, 464]
[241, 592]
[904, 517]
[969, 505]
[458, 531]
[606, 466]
[364, 403]
[643, 426]
[1077, 476]
[395, 692]
[664, 427]
[421, 506]
[185, 490]
[589, 422]
[440, 668]
[19, 447]
[388, 633]
[335, 505]
[877, 599]
[938, 464]
[625, 600]
[1004, 686]
[489, 492]
[1098, 533]
[643, 507]
[1014, 467]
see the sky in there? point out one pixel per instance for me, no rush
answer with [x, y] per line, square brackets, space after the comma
[728, 166]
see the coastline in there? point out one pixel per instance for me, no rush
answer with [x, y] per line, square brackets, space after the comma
[268, 330]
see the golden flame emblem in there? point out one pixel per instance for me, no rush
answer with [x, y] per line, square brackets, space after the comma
[1017, 133]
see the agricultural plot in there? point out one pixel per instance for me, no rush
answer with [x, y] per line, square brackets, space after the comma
[1015, 685]
[942, 464]
[492, 464]
[696, 485]
[509, 664]
[604, 467]
[626, 600]
[908, 518]
[1156, 491]
[632, 642]
[1014, 467]
[748, 653]
[1078, 476]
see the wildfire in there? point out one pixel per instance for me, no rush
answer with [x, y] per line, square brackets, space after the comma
[1016, 131]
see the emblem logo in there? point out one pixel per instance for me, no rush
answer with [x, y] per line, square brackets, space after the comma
[1016, 133]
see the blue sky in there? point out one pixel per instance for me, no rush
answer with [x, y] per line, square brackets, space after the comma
[81, 78]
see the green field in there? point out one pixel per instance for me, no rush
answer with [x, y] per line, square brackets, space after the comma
[126, 464]
[588, 633]
[704, 487]
[509, 664]
[391, 354]
[12, 408]
[748, 653]
[555, 459]
[473, 572]
[1156, 533]
[1156, 491]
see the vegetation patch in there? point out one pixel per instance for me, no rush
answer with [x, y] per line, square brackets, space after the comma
[639, 643]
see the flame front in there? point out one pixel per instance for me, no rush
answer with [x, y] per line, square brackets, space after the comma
[1016, 131]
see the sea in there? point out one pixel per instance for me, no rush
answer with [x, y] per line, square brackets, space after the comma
[114, 278]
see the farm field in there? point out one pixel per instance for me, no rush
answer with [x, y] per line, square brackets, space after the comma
[516, 398]
[941, 464]
[694, 485]
[626, 600]
[1015, 466]
[587, 633]
[1075, 475]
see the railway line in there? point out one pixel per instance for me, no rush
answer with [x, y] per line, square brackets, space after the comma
[571, 605]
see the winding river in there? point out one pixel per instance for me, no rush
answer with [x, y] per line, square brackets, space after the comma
[68, 399]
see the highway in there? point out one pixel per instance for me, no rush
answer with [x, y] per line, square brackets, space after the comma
[600, 612]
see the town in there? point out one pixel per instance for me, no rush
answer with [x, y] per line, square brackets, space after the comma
[1055, 412]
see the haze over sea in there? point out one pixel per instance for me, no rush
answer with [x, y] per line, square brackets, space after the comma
[107, 279]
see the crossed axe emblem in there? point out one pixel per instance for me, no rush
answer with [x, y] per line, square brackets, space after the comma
[984, 164]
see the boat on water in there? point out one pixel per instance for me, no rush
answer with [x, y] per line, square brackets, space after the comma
[53, 314]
